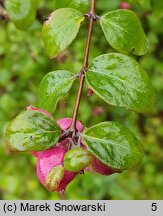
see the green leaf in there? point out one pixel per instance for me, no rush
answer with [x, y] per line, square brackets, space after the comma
[60, 30]
[54, 177]
[114, 145]
[22, 12]
[32, 131]
[124, 32]
[81, 5]
[121, 81]
[77, 159]
[54, 86]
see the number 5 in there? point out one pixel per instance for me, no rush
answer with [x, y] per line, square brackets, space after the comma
[154, 206]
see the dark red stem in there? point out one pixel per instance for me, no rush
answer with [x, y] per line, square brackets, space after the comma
[85, 65]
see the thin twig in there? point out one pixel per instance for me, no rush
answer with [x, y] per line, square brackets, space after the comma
[85, 65]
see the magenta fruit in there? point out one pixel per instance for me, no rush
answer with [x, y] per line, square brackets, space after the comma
[50, 168]
[101, 168]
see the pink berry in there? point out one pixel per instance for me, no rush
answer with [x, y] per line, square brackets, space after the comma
[67, 178]
[47, 160]
[125, 5]
[65, 123]
[101, 168]
[50, 168]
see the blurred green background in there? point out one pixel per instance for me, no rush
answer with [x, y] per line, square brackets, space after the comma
[23, 63]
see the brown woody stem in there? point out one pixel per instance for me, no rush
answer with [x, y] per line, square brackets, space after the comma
[85, 65]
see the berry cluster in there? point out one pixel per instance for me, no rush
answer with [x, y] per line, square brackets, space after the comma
[57, 166]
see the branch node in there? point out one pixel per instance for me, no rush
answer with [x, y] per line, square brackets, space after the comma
[96, 18]
[92, 15]
[83, 71]
[88, 16]
[78, 75]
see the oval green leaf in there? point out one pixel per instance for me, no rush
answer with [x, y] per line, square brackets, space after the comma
[124, 32]
[77, 159]
[121, 81]
[114, 145]
[54, 177]
[22, 12]
[32, 131]
[60, 30]
[52, 87]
